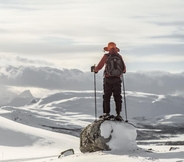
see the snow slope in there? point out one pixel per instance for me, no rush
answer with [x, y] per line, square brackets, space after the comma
[18, 141]
[38, 145]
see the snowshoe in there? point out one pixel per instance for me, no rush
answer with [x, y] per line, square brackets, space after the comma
[106, 117]
[118, 118]
[111, 117]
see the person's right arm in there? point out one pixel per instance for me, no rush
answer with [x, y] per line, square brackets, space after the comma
[101, 64]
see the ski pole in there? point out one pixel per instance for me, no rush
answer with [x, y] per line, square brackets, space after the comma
[92, 70]
[95, 95]
[124, 98]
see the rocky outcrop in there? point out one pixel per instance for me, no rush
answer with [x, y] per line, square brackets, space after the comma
[108, 135]
[91, 139]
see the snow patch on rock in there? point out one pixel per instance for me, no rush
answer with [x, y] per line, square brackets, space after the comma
[123, 135]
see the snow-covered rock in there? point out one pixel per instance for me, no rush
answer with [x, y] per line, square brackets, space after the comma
[107, 136]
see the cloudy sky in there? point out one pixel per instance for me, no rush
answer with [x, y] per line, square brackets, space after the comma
[72, 33]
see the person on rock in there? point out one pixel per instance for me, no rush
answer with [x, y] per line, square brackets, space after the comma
[114, 68]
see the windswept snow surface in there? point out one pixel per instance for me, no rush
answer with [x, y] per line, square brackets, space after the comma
[34, 132]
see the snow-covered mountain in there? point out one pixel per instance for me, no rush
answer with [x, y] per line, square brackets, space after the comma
[22, 99]
[45, 123]
[69, 112]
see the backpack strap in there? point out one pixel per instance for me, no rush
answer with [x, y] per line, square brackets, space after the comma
[104, 73]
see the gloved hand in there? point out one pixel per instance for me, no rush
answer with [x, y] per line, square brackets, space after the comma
[92, 68]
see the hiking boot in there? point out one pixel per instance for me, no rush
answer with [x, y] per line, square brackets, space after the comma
[118, 118]
[105, 116]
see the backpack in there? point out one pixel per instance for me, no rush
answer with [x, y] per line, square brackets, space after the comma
[114, 65]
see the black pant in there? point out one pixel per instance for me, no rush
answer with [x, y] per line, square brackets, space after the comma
[112, 86]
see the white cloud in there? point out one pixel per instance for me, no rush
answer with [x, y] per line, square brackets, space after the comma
[57, 79]
[43, 77]
[16, 60]
[52, 30]
[155, 58]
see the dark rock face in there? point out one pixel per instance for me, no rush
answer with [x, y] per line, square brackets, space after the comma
[91, 139]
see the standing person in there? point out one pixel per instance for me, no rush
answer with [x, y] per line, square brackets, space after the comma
[114, 68]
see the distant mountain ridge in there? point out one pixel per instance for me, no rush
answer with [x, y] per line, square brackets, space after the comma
[25, 94]
[22, 99]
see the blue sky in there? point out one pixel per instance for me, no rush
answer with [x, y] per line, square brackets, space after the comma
[72, 33]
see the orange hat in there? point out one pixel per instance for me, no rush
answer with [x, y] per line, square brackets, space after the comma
[111, 45]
